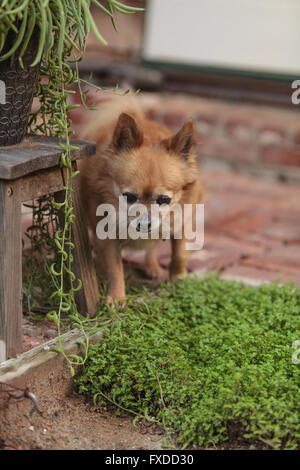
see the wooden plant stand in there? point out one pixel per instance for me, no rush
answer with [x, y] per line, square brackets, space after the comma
[29, 170]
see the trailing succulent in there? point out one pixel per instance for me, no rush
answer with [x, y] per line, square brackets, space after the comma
[62, 28]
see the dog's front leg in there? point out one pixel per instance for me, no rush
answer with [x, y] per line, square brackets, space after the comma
[178, 261]
[110, 267]
[153, 269]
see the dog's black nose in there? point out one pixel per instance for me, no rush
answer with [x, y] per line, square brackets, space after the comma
[144, 226]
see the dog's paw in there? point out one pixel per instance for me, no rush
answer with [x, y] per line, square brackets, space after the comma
[115, 299]
[174, 275]
[158, 273]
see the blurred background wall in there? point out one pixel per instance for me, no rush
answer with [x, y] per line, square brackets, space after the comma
[241, 35]
[228, 64]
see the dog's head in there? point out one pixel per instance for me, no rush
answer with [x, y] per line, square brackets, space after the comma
[151, 173]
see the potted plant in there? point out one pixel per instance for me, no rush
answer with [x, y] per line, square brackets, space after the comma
[34, 32]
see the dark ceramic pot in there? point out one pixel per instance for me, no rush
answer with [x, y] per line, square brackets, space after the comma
[17, 87]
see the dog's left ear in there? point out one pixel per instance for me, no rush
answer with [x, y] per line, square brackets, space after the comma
[184, 142]
[127, 134]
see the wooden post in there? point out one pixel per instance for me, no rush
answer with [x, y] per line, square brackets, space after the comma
[83, 265]
[87, 298]
[10, 270]
[29, 170]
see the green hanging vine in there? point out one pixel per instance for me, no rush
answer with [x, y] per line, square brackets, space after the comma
[49, 281]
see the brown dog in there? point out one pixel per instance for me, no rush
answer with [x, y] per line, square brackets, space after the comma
[144, 163]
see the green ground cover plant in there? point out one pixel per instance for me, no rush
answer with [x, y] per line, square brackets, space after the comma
[198, 356]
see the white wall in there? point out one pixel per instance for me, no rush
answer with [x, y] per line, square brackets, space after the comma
[255, 35]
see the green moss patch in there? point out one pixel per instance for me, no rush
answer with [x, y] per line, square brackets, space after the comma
[201, 356]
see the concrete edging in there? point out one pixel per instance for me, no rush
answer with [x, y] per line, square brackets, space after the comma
[26, 364]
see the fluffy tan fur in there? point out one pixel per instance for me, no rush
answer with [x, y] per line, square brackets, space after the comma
[139, 156]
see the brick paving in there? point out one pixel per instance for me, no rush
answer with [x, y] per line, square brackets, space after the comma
[234, 132]
[257, 139]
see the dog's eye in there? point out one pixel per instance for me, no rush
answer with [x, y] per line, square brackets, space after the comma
[131, 197]
[162, 199]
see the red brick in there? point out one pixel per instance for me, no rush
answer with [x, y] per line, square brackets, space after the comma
[286, 252]
[221, 242]
[165, 261]
[278, 155]
[174, 118]
[263, 242]
[217, 263]
[271, 134]
[164, 253]
[228, 149]
[248, 272]
[273, 263]
[136, 258]
[205, 124]
[164, 248]
[29, 342]
[247, 223]
[297, 136]
[282, 230]
[240, 129]
[158, 116]
[26, 221]
[76, 115]
[150, 114]
[250, 242]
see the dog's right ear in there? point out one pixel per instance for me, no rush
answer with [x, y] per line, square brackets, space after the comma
[184, 142]
[127, 134]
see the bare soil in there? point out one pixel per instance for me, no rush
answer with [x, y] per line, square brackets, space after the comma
[73, 424]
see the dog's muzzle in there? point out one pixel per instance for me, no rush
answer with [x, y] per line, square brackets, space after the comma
[144, 224]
